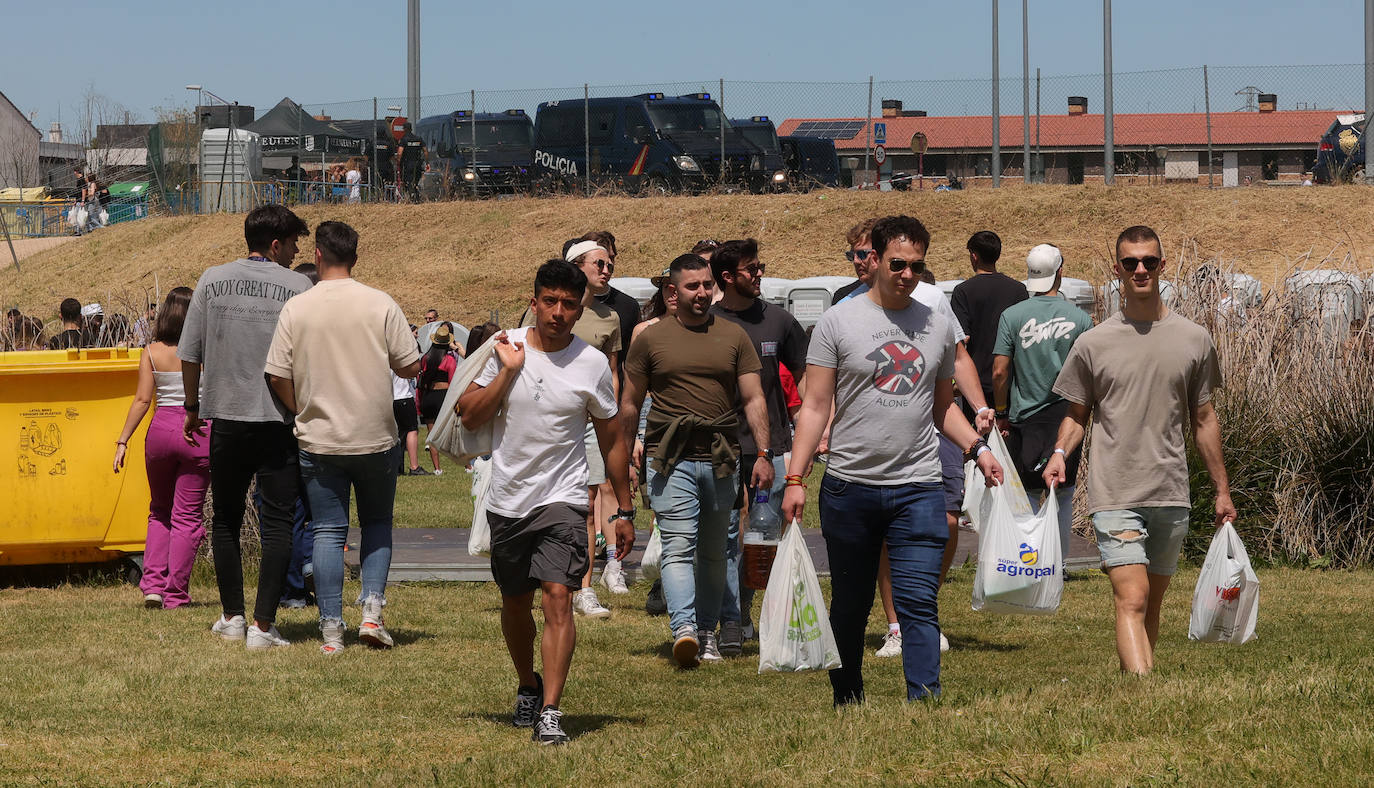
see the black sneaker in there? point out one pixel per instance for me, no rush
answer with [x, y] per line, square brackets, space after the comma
[549, 728]
[656, 604]
[527, 700]
[417, 471]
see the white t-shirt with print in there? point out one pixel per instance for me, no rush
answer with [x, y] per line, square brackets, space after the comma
[538, 452]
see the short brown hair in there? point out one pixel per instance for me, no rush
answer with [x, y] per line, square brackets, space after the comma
[860, 231]
[603, 238]
[1138, 234]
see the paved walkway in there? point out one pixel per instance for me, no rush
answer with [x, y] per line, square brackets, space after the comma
[28, 247]
[442, 554]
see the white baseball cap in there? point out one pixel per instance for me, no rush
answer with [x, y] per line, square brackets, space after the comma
[1042, 265]
[91, 310]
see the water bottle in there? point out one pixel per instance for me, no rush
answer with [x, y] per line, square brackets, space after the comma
[761, 542]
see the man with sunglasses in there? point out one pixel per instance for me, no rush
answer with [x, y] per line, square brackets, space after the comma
[886, 361]
[780, 342]
[1143, 375]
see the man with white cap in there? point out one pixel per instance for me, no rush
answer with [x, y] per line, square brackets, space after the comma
[599, 326]
[1033, 339]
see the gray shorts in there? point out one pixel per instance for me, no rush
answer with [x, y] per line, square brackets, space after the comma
[1161, 528]
[596, 465]
[952, 473]
[548, 545]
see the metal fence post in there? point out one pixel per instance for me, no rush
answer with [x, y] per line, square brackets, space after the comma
[373, 176]
[1368, 79]
[721, 96]
[472, 115]
[1207, 107]
[587, 139]
[1039, 157]
[1025, 93]
[1108, 144]
[996, 104]
[868, 132]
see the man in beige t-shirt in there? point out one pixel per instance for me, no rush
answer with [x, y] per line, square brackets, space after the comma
[1143, 375]
[328, 364]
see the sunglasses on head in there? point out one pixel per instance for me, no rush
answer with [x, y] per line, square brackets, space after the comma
[1130, 263]
[708, 242]
[916, 266]
[855, 255]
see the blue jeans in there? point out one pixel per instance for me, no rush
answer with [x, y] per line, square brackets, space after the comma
[302, 547]
[856, 521]
[693, 509]
[328, 480]
[739, 598]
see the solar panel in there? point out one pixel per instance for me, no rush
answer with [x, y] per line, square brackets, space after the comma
[828, 129]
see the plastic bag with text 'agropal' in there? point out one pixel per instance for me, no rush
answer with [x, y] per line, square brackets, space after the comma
[1020, 560]
[1226, 598]
[794, 628]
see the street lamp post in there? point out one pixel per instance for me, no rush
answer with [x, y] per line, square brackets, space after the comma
[197, 89]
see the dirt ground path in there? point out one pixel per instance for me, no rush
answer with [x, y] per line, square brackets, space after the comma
[27, 247]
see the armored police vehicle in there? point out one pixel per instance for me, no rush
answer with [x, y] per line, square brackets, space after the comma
[648, 143]
[760, 131]
[487, 153]
[810, 162]
[1340, 152]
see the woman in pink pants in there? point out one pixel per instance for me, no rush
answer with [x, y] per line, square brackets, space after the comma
[178, 472]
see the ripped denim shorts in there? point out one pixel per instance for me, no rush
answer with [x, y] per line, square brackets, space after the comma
[1161, 530]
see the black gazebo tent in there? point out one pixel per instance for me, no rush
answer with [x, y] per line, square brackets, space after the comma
[288, 130]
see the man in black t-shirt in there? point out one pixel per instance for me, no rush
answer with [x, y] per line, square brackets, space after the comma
[979, 302]
[71, 336]
[384, 158]
[412, 155]
[779, 340]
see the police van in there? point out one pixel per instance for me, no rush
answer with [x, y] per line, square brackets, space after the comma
[498, 163]
[810, 162]
[759, 130]
[649, 143]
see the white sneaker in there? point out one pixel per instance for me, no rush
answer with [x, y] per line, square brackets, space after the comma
[229, 628]
[892, 645]
[710, 650]
[371, 631]
[262, 641]
[686, 646]
[586, 604]
[152, 601]
[944, 643]
[613, 578]
[438, 471]
[333, 633]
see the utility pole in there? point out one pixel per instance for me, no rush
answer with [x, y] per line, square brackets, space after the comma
[1108, 145]
[996, 106]
[1368, 78]
[1025, 93]
[413, 60]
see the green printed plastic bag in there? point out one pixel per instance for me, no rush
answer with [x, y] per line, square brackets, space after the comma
[794, 630]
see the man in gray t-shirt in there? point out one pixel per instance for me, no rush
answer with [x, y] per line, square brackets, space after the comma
[886, 361]
[228, 329]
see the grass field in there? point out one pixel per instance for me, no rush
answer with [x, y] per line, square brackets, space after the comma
[468, 258]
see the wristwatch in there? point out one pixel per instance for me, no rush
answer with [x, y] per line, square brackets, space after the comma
[765, 454]
[622, 514]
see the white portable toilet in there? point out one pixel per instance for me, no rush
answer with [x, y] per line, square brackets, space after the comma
[1333, 298]
[1245, 289]
[807, 299]
[774, 289]
[227, 169]
[639, 288]
[425, 335]
[947, 286]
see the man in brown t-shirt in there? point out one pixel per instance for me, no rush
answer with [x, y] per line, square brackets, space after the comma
[1143, 375]
[697, 367]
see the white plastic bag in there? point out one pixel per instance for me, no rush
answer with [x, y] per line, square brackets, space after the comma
[479, 539]
[449, 435]
[1226, 598]
[794, 629]
[976, 498]
[103, 217]
[653, 555]
[1020, 560]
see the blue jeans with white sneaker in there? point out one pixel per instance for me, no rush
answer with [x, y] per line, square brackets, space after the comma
[329, 478]
[693, 508]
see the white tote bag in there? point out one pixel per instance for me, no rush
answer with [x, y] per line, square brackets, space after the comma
[653, 555]
[1020, 560]
[449, 435]
[479, 538]
[976, 490]
[1226, 598]
[794, 630]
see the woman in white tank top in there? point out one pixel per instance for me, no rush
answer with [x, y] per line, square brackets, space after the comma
[178, 472]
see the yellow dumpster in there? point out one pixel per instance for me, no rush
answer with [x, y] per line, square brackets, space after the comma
[60, 502]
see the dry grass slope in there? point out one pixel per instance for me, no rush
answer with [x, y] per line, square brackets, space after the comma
[467, 258]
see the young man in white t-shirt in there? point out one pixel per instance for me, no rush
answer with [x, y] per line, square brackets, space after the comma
[545, 383]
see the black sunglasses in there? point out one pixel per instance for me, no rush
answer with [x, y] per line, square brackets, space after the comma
[1150, 263]
[610, 267]
[855, 255]
[916, 266]
[754, 270]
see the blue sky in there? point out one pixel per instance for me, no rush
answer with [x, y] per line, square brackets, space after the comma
[255, 52]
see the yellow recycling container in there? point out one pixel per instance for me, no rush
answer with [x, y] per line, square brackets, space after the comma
[60, 502]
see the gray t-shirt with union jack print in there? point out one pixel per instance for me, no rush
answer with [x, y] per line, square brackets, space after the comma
[886, 365]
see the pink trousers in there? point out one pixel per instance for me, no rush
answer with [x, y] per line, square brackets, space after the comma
[178, 476]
